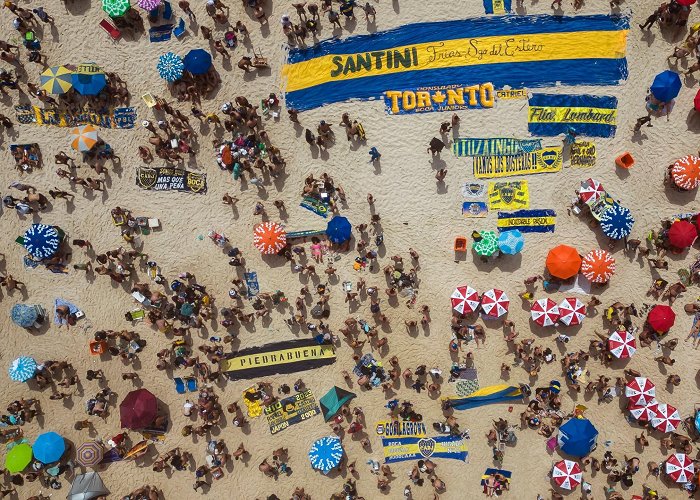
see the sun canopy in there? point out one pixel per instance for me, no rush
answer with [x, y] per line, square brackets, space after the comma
[89, 454]
[563, 262]
[495, 303]
[56, 80]
[18, 458]
[545, 312]
[24, 315]
[598, 266]
[686, 171]
[170, 66]
[577, 437]
[680, 468]
[661, 318]
[666, 86]
[567, 474]
[682, 234]
[197, 61]
[487, 245]
[87, 486]
[333, 400]
[41, 241]
[22, 369]
[640, 391]
[49, 447]
[572, 311]
[465, 300]
[616, 222]
[622, 344]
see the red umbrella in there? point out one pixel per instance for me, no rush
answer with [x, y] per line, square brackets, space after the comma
[495, 303]
[545, 312]
[682, 234]
[622, 344]
[697, 101]
[661, 318]
[667, 418]
[572, 311]
[465, 300]
[685, 3]
[640, 391]
[591, 191]
[680, 468]
[567, 474]
[138, 410]
[641, 413]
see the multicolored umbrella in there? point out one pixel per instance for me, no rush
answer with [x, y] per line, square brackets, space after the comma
[567, 474]
[49, 447]
[487, 245]
[269, 237]
[667, 418]
[545, 312]
[89, 454]
[563, 262]
[617, 222]
[598, 266]
[24, 315]
[680, 468]
[22, 369]
[115, 8]
[495, 303]
[18, 458]
[326, 453]
[511, 242]
[686, 171]
[640, 391]
[84, 138]
[643, 413]
[138, 409]
[339, 229]
[682, 234]
[197, 61]
[591, 191]
[41, 241]
[56, 80]
[622, 344]
[170, 66]
[666, 86]
[149, 4]
[465, 300]
[661, 318]
[572, 311]
[89, 79]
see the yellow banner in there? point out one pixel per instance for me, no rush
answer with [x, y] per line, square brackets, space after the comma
[547, 114]
[508, 195]
[582, 154]
[511, 94]
[461, 52]
[539, 161]
[284, 356]
[526, 221]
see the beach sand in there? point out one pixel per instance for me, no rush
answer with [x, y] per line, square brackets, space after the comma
[414, 213]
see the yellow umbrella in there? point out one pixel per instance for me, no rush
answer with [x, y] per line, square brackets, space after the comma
[84, 138]
[56, 80]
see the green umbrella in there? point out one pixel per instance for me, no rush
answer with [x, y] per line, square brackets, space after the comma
[487, 245]
[115, 8]
[18, 458]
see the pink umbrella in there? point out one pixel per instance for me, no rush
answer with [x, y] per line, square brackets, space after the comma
[465, 300]
[567, 474]
[572, 311]
[640, 391]
[545, 312]
[591, 191]
[641, 413]
[680, 468]
[667, 418]
[622, 344]
[495, 303]
[149, 4]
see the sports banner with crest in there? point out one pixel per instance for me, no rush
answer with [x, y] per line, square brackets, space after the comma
[545, 160]
[171, 179]
[416, 448]
[291, 410]
[509, 195]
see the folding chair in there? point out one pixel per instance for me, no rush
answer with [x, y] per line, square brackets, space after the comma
[167, 10]
[179, 385]
[111, 30]
[180, 29]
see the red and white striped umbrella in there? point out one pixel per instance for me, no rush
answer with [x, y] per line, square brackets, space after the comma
[545, 312]
[465, 300]
[622, 344]
[667, 418]
[591, 191]
[567, 474]
[495, 303]
[643, 413]
[571, 311]
[680, 468]
[641, 391]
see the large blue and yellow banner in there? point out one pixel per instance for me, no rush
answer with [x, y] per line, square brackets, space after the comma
[415, 448]
[518, 51]
[554, 114]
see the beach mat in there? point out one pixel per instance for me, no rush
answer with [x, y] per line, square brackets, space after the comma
[314, 205]
[71, 307]
[160, 33]
[467, 382]
[252, 285]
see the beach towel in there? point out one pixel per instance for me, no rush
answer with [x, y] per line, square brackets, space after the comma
[485, 476]
[60, 302]
[488, 395]
[251, 282]
[315, 205]
[467, 382]
[497, 6]
[160, 33]
[30, 263]
[580, 285]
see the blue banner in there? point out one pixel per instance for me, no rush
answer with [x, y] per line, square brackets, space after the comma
[527, 221]
[589, 115]
[415, 448]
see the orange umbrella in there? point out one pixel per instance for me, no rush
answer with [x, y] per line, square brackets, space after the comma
[686, 172]
[598, 266]
[269, 237]
[83, 138]
[563, 262]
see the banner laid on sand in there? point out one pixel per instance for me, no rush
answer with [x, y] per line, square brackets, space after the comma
[527, 221]
[540, 161]
[416, 448]
[117, 118]
[509, 195]
[497, 146]
[590, 115]
[171, 179]
[291, 410]
[515, 51]
[439, 98]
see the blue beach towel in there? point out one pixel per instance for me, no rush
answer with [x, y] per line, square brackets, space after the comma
[251, 282]
[60, 302]
[160, 33]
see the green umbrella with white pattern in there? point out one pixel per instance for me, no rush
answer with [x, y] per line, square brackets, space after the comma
[115, 8]
[487, 245]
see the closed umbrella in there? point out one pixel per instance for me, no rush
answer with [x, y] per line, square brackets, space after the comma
[643, 413]
[170, 66]
[197, 61]
[487, 245]
[150, 4]
[682, 234]
[56, 80]
[622, 344]
[269, 237]
[465, 300]
[89, 454]
[49, 447]
[686, 172]
[87, 487]
[545, 312]
[495, 303]
[667, 418]
[89, 79]
[18, 458]
[666, 86]
[572, 311]
[563, 262]
[680, 468]
[598, 266]
[138, 410]
[567, 474]
[640, 391]
[22, 369]
[41, 241]
[84, 138]
[115, 8]
[339, 229]
[661, 318]
[24, 315]
[326, 453]
[511, 242]
[577, 437]
[591, 191]
[617, 222]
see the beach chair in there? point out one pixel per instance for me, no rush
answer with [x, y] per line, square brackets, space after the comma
[111, 30]
[136, 315]
[167, 10]
[179, 385]
[192, 384]
[180, 29]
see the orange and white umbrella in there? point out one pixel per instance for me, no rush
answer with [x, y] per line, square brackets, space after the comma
[571, 311]
[269, 237]
[465, 299]
[686, 172]
[83, 138]
[598, 266]
[545, 312]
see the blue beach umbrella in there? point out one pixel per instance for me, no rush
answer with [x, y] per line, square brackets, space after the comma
[22, 369]
[170, 67]
[24, 315]
[617, 222]
[511, 242]
[49, 447]
[326, 453]
[339, 229]
[666, 86]
[197, 61]
[89, 79]
[41, 241]
[577, 437]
